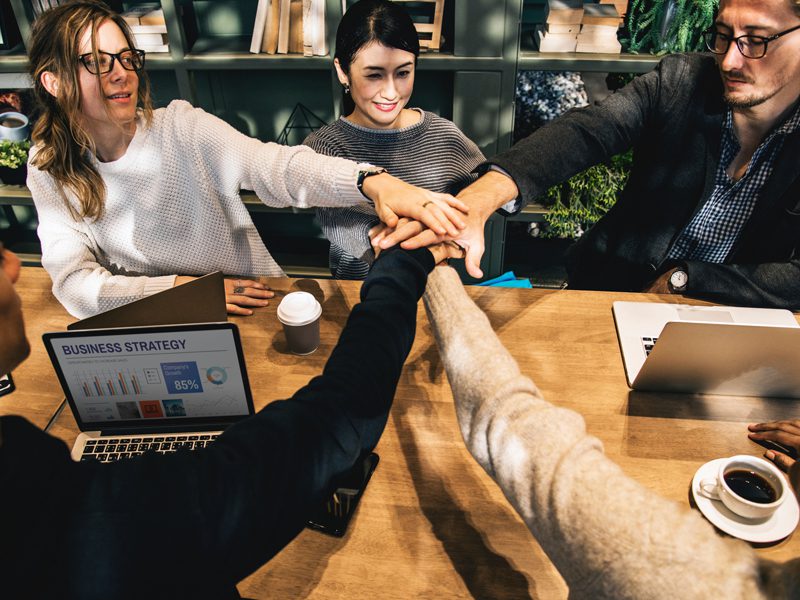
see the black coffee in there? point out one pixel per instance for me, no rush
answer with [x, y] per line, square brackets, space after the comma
[12, 122]
[751, 486]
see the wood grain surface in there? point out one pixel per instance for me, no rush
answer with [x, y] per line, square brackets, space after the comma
[431, 523]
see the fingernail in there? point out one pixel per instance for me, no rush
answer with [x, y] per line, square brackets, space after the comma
[769, 454]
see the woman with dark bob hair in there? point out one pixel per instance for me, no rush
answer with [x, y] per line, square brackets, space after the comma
[376, 57]
[133, 200]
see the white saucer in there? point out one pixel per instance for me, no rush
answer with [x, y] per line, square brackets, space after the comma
[782, 522]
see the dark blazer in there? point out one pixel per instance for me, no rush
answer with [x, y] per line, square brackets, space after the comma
[192, 524]
[672, 118]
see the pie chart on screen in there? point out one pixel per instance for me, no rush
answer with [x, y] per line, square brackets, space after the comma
[216, 375]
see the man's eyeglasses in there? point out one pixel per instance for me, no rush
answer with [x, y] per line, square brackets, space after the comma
[751, 46]
[131, 60]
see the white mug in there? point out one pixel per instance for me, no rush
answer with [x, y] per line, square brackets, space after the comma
[718, 488]
[16, 132]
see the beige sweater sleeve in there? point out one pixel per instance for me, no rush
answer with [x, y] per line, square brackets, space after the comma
[608, 535]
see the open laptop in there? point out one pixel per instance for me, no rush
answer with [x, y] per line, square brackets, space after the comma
[201, 300]
[150, 388]
[709, 349]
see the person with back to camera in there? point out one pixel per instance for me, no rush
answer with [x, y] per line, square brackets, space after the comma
[375, 59]
[608, 536]
[133, 200]
[191, 524]
[712, 205]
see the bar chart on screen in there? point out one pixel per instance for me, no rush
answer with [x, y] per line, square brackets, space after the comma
[117, 382]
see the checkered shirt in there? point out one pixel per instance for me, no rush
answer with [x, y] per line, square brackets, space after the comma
[711, 234]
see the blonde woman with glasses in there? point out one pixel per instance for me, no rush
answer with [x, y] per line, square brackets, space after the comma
[133, 200]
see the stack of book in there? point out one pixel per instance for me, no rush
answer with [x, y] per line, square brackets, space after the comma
[290, 27]
[148, 27]
[620, 5]
[599, 29]
[562, 24]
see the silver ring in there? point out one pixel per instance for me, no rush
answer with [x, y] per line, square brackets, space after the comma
[238, 290]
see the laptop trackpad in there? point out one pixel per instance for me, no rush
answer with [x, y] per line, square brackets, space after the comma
[706, 316]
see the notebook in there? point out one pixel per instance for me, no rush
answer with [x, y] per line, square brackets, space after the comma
[201, 300]
[709, 349]
[149, 388]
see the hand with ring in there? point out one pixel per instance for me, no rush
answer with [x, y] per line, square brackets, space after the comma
[395, 199]
[242, 295]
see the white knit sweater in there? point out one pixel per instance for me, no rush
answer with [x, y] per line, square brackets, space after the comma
[173, 208]
[609, 536]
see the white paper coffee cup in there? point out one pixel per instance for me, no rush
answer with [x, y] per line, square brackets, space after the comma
[299, 312]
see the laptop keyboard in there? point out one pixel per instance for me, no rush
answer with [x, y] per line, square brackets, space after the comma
[648, 343]
[116, 448]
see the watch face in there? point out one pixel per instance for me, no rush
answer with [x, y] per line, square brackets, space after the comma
[679, 279]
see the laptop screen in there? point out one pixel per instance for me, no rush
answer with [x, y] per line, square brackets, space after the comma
[149, 377]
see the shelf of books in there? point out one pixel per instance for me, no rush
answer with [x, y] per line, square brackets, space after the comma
[573, 35]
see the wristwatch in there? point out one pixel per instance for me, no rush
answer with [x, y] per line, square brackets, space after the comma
[364, 171]
[678, 281]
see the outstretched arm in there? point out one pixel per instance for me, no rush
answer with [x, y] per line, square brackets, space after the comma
[247, 495]
[608, 536]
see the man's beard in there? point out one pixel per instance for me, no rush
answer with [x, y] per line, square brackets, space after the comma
[747, 101]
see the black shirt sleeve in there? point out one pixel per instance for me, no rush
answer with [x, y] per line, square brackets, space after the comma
[192, 524]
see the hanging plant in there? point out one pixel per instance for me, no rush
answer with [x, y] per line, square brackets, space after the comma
[663, 26]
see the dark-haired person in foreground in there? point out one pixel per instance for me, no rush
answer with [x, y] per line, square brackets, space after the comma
[712, 206]
[608, 536]
[193, 523]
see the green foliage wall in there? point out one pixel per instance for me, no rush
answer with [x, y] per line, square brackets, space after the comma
[662, 26]
[578, 203]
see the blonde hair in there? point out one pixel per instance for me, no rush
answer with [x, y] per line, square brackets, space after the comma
[63, 146]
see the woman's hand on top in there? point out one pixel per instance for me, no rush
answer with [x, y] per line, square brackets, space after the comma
[394, 198]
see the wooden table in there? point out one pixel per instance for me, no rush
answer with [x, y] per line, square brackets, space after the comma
[432, 524]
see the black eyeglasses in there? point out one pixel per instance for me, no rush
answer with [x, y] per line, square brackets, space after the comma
[131, 60]
[751, 46]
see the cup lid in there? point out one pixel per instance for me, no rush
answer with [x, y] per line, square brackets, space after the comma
[299, 308]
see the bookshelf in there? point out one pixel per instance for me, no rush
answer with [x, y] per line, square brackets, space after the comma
[472, 81]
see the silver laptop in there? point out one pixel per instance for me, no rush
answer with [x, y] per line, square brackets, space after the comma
[709, 349]
[158, 388]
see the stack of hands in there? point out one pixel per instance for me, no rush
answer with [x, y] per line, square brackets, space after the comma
[412, 217]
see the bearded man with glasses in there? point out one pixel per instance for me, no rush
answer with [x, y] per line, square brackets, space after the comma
[712, 206]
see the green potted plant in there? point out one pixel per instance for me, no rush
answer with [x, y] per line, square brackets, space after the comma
[13, 161]
[578, 203]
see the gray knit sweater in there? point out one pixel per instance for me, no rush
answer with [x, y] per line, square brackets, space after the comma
[607, 535]
[433, 154]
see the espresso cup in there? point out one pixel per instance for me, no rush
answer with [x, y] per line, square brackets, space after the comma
[299, 312]
[749, 486]
[14, 126]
